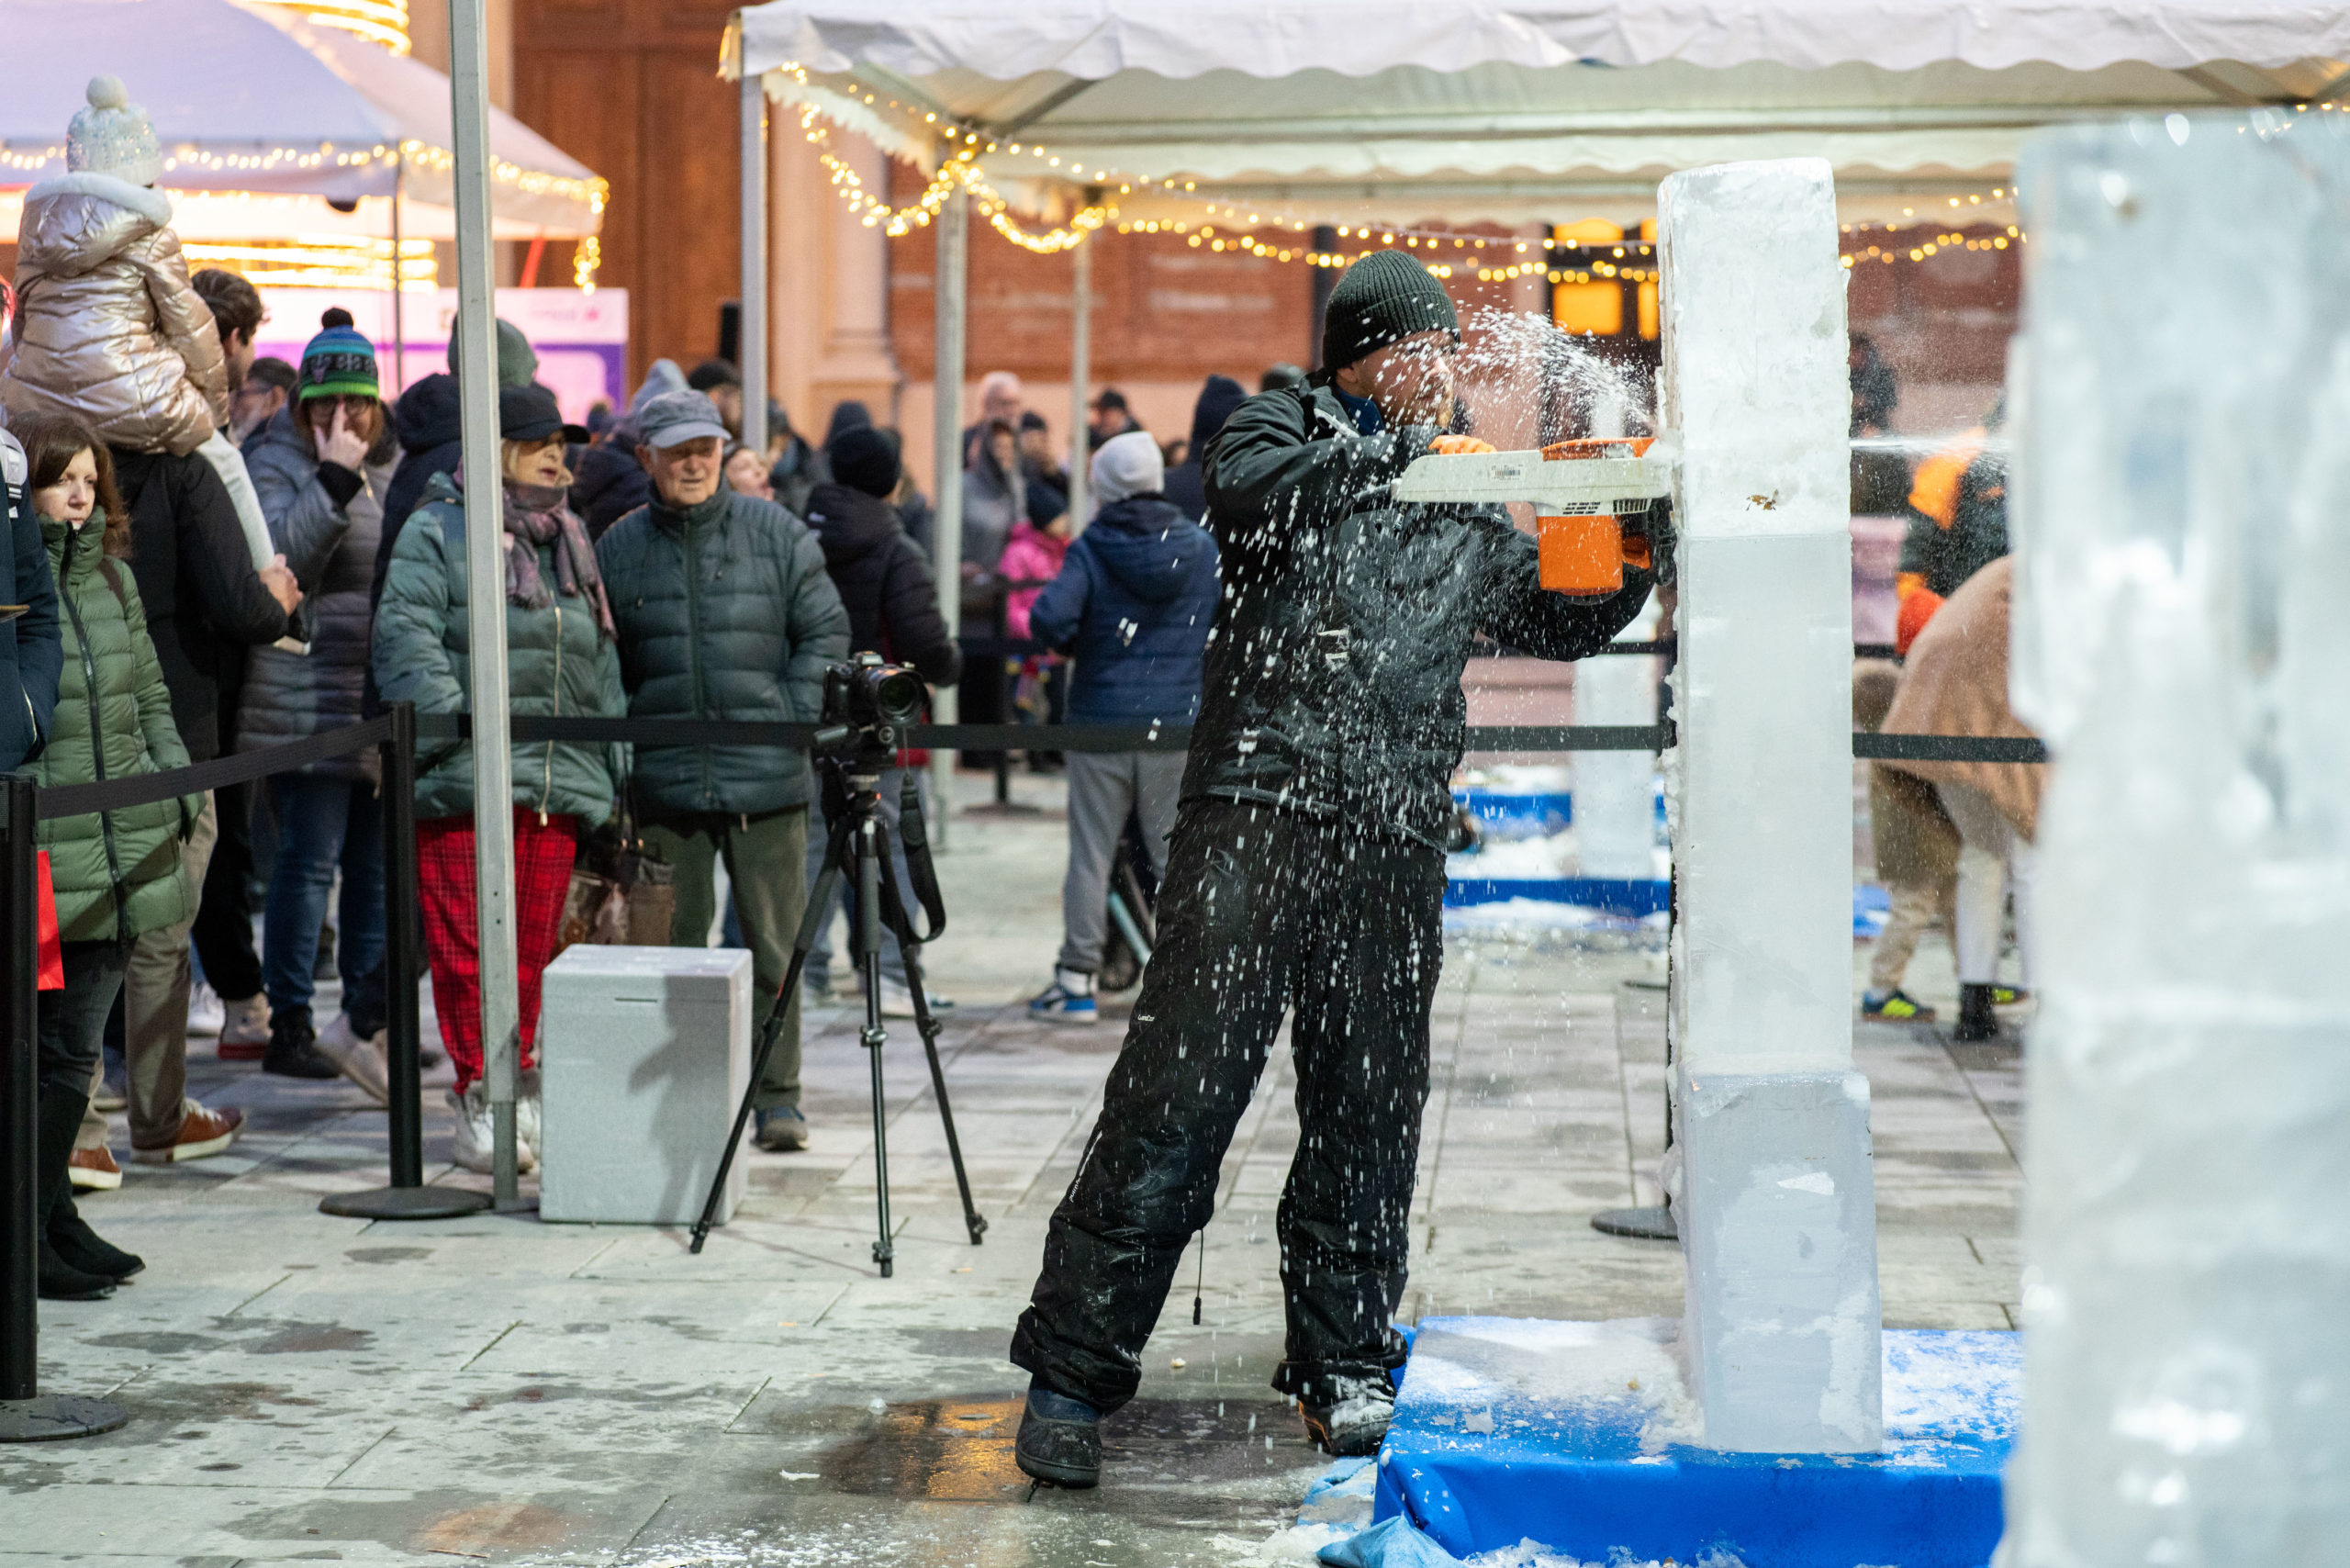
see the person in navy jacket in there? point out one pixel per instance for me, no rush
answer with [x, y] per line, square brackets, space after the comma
[31, 653]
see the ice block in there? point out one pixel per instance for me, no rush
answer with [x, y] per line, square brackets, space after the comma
[2181, 500]
[1775, 1206]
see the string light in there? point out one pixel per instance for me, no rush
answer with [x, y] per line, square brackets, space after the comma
[322, 261]
[377, 22]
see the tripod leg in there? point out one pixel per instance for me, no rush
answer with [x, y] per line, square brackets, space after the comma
[909, 949]
[809, 921]
[868, 954]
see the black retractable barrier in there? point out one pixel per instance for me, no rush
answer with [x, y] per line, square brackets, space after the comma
[407, 1197]
[27, 1416]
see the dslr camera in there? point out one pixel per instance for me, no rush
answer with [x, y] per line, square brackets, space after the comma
[867, 704]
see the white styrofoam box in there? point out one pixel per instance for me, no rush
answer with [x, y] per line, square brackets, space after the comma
[645, 1054]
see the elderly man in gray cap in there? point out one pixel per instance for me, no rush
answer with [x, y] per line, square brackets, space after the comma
[724, 611]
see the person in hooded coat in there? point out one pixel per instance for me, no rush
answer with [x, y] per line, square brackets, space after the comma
[611, 482]
[892, 597]
[1306, 876]
[1133, 603]
[1186, 484]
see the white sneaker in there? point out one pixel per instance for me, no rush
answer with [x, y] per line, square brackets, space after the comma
[361, 1058]
[206, 1014]
[898, 1000]
[527, 1116]
[475, 1148]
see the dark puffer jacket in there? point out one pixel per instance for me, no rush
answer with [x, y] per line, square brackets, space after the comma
[885, 584]
[115, 872]
[608, 485]
[724, 612]
[429, 427]
[557, 664]
[1133, 603]
[1186, 482]
[331, 546]
[204, 603]
[1332, 681]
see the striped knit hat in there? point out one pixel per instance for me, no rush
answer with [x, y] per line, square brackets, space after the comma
[339, 362]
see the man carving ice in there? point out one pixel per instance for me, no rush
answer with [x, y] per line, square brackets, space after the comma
[1305, 874]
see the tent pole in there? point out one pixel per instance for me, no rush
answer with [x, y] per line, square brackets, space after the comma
[476, 360]
[946, 447]
[400, 321]
[753, 329]
[1081, 377]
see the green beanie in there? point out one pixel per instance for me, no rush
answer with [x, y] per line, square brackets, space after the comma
[518, 363]
[1383, 299]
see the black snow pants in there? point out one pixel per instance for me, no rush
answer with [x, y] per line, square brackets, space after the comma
[1262, 912]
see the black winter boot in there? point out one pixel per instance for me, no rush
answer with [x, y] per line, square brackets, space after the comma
[85, 1249]
[1354, 1424]
[1976, 1021]
[1059, 1440]
[293, 1047]
[59, 1118]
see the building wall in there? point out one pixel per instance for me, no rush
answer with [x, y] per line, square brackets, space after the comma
[630, 88]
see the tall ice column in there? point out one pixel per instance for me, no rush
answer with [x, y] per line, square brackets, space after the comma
[2181, 507]
[1776, 1203]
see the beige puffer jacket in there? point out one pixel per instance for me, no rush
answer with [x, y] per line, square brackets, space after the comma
[108, 328]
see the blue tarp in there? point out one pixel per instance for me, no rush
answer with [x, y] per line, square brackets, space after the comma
[1477, 1462]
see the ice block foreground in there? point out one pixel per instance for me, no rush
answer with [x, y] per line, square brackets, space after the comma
[645, 1054]
[1784, 1326]
[2182, 507]
[1581, 1437]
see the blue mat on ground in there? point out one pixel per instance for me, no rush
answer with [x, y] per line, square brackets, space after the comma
[1616, 895]
[1577, 1436]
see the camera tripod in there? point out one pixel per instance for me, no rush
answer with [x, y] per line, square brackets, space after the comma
[857, 847]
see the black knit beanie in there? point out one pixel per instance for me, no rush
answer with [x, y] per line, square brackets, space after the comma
[863, 459]
[1385, 298]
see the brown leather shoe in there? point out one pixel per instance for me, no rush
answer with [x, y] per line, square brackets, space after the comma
[94, 1170]
[201, 1133]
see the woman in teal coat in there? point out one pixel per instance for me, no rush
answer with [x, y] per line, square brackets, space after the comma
[560, 660]
[116, 874]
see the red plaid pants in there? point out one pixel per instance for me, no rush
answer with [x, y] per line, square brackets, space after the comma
[544, 850]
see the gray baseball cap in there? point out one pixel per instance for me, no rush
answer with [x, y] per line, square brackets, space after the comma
[675, 417]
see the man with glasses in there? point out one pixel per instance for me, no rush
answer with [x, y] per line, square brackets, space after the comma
[1306, 876]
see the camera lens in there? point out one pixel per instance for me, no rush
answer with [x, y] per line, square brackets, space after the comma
[897, 695]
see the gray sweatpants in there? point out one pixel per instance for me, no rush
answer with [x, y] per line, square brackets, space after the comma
[1103, 788]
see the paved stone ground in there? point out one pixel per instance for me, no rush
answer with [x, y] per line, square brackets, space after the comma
[305, 1388]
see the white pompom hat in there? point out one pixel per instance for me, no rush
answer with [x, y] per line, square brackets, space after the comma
[114, 136]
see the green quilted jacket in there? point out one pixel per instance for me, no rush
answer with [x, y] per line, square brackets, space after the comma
[116, 873]
[556, 664]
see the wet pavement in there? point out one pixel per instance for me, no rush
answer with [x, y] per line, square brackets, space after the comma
[308, 1388]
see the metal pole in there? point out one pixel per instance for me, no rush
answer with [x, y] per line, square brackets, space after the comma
[1081, 378]
[753, 328]
[27, 1416]
[399, 316]
[19, 1104]
[476, 338]
[947, 444]
[407, 1197]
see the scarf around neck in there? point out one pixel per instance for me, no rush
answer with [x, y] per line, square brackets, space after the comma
[539, 515]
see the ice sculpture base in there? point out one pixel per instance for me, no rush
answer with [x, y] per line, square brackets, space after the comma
[1512, 1429]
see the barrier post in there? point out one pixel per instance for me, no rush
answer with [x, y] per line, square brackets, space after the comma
[407, 1197]
[26, 1415]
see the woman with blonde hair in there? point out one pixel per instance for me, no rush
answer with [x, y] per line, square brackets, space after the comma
[560, 659]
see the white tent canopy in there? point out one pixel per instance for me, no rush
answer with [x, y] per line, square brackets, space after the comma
[264, 118]
[1332, 110]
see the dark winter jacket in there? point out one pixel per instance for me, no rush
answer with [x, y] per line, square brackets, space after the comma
[115, 872]
[1133, 604]
[724, 612]
[797, 474]
[31, 653]
[430, 426]
[608, 484]
[557, 663]
[327, 522]
[1185, 485]
[1958, 515]
[196, 576]
[1332, 681]
[885, 587]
